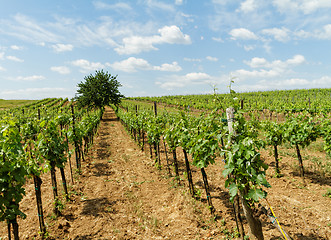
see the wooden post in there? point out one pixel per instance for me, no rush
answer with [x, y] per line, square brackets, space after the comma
[77, 150]
[157, 146]
[236, 205]
[254, 223]
[155, 109]
[309, 102]
[189, 174]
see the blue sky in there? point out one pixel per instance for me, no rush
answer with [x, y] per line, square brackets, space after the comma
[163, 47]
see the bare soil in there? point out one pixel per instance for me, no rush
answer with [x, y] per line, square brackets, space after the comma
[120, 194]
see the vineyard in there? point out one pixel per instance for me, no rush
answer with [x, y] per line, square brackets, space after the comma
[196, 167]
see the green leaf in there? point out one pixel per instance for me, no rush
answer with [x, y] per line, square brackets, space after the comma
[228, 170]
[256, 194]
[261, 180]
[233, 190]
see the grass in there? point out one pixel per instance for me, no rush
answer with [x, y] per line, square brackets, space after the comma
[5, 104]
[328, 193]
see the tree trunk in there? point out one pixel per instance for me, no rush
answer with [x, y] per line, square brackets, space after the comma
[189, 174]
[150, 151]
[276, 158]
[166, 154]
[54, 186]
[64, 183]
[9, 229]
[300, 162]
[255, 225]
[15, 229]
[143, 138]
[239, 220]
[37, 185]
[206, 185]
[174, 154]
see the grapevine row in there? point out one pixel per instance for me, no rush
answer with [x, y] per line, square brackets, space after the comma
[34, 141]
[208, 136]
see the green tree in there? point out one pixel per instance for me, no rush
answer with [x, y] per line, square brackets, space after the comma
[98, 90]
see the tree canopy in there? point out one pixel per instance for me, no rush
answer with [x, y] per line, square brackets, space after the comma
[98, 90]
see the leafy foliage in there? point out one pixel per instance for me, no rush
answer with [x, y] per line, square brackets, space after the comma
[243, 165]
[13, 170]
[301, 130]
[99, 90]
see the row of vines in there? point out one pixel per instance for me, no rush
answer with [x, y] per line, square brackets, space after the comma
[37, 139]
[234, 136]
[312, 100]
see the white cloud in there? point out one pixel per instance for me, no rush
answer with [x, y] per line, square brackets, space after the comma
[263, 63]
[242, 33]
[2, 69]
[15, 59]
[268, 69]
[286, 5]
[309, 6]
[87, 66]
[212, 59]
[173, 35]
[137, 44]
[15, 47]
[305, 6]
[289, 83]
[280, 34]
[2, 54]
[153, 4]
[192, 59]
[36, 93]
[325, 33]
[296, 60]
[249, 47]
[61, 69]
[242, 73]
[177, 81]
[120, 6]
[217, 39]
[133, 64]
[324, 81]
[257, 62]
[178, 2]
[32, 78]
[62, 47]
[27, 29]
[166, 67]
[248, 6]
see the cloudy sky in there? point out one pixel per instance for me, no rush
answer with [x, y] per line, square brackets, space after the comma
[163, 47]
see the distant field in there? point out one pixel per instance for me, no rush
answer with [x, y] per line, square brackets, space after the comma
[4, 104]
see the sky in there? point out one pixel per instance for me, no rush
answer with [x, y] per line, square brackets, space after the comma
[158, 48]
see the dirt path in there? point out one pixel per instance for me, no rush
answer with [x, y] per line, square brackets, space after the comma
[121, 195]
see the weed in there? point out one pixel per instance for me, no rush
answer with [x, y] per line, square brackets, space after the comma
[230, 234]
[197, 193]
[59, 205]
[222, 222]
[327, 194]
[158, 166]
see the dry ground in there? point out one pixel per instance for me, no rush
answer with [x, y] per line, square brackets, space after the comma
[120, 194]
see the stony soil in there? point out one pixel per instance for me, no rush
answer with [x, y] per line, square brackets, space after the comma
[120, 194]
